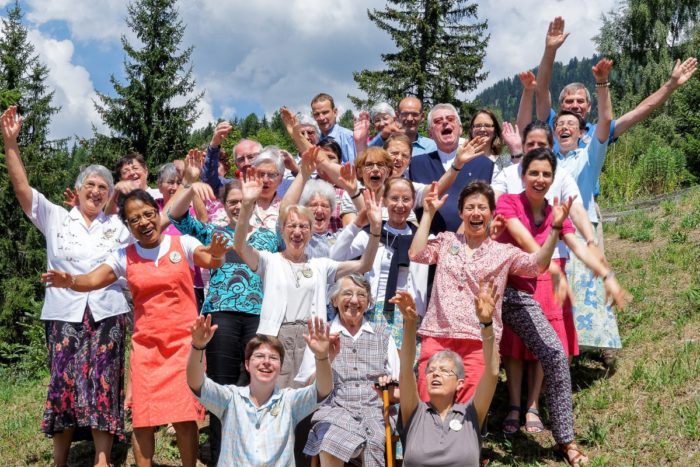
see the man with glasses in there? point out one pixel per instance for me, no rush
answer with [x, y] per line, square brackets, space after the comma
[408, 119]
[446, 129]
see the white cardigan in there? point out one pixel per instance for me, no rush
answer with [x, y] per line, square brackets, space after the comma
[352, 242]
[275, 278]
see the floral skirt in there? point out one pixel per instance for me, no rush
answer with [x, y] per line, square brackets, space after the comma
[86, 389]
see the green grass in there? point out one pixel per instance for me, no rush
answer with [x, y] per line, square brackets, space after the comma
[645, 414]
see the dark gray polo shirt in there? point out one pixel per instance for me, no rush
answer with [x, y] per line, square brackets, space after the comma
[430, 441]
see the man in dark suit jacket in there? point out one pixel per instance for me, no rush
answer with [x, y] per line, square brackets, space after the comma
[445, 129]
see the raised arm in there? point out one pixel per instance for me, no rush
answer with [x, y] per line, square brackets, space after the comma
[373, 206]
[485, 304]
[408, 387]
[251, 186]
[431, 203]
[318, 340]
[601, 71]
[214, 254]
[98, 278]
[467, 152]
[202, 331]
[527, 78]
[11, 125]
[555, 38]
[210, 172]
[559, 213]
[308, 165]
[361, 131]
[681, 73]
[292, 127]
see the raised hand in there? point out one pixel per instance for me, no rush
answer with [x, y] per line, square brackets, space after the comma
[11, 124]
[392, 128]
[683, 71]
[555, 34]
[309, 160]
[202, 331]
[203, 191]
[193, 165]
[470, 150]
[220, 245]
[288, 119]
[511, 136]
[361, 126]
[373, 205]
[70, 198]
[406, 304]
[334, 345]
[348, 178]
[432, 201]
[289, 162]
[251, 186]
[318, 338]
[527, 79]
[485, 302]
[601, 70]
[498, 224]
[58, 279]
[220, 133]
[561, 211]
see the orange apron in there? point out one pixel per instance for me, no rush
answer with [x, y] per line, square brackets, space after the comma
[164, 309]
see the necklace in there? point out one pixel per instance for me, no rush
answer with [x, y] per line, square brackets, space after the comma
[306, 271]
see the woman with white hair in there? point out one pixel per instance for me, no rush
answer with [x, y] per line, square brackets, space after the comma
[269, 169]
[382, 114]
[294, 284]
[84, 331]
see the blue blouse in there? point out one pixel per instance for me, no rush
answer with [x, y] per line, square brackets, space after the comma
[234, 286]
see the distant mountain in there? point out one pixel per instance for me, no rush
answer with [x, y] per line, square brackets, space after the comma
[504, 96]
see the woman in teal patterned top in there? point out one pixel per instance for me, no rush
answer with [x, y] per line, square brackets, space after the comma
[234, 295]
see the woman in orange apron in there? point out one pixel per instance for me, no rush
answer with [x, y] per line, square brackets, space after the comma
[158, 270]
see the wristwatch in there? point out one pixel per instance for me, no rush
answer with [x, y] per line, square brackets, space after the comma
[485, 325]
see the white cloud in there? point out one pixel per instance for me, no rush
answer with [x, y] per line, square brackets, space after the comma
[74, 91]
[101, 20]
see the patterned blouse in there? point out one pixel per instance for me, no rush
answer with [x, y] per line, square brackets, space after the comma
[451, 312]
[233, 286]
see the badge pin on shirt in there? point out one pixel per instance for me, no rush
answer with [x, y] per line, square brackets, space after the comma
[454, 249]
[175, 257]
[455, 425]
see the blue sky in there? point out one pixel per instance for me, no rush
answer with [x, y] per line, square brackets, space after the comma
[258, 56]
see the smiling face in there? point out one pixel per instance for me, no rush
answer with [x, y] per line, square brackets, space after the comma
[576, 102]
[136, 173]
[271, 179]
[567, 131]
[233, 204]
[400, 152]
[168, 187]
[245, 153]
[476, 215]
[375, 171]
[445, 129]
[321, 209]
[398, 200]
[410, 115]
[297, 232]
[535, 139]
[351, 302]
[324, 114]
[93, 195]
[441, 378]
[537, 179]
[143, 221]
[381, 120]
[264, 365]
[484, 125]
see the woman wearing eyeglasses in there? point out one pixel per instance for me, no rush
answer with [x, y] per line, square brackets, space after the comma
[484, 124]
[295, 285]
[442, 432]
[84, 332]
[158, 271]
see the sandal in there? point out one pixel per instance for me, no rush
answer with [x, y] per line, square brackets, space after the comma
[576, 459]
[511, 425]
[534, 426]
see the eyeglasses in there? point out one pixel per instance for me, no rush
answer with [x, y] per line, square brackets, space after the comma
[268, 175]
[246, 157]
[348, 294]
[447, 119]
[302, 227]
[440, 371]
[482, 126]
[371, 165]
[562, 124]
[148, 215]
[265, 356]
[127, 169]
[91, 186]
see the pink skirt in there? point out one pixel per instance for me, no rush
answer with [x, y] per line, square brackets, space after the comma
[561, 319]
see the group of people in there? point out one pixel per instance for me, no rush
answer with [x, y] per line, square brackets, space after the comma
[279, 299]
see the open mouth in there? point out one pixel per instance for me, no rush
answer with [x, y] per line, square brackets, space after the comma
[476, 224]
[147, 231]
[435, 383]
[539, 188]
[446, 131]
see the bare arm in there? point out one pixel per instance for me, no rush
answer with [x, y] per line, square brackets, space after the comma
[11, 126]
[292, 127]
[527, 78]
[601, 70]
[214, 254]
[467, 152]
[361, 131]
[98, 278]
[485, 305]
[202, 332]
[408, 387]
[318, 340]
[681, 73]
[555, 38]
[559, 213]
[251, 192]
[431, 203]
[364, 264]
[308, 165]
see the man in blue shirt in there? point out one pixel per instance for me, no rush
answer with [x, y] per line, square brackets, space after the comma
[446, 128]
[408, 119]
[325, 113]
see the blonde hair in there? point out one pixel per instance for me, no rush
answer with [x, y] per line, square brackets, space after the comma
[298, 210]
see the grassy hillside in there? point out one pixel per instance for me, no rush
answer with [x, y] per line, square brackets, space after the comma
[646, 413]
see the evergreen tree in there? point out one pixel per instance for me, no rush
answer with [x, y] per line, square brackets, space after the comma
[143, 115]
[22, 248]
[441, 47]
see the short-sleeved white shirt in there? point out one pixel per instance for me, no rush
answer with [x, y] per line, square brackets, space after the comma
[74, 247]
[117, 260]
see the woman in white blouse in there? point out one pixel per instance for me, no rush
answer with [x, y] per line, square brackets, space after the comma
[294, 285]
[85, 331]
